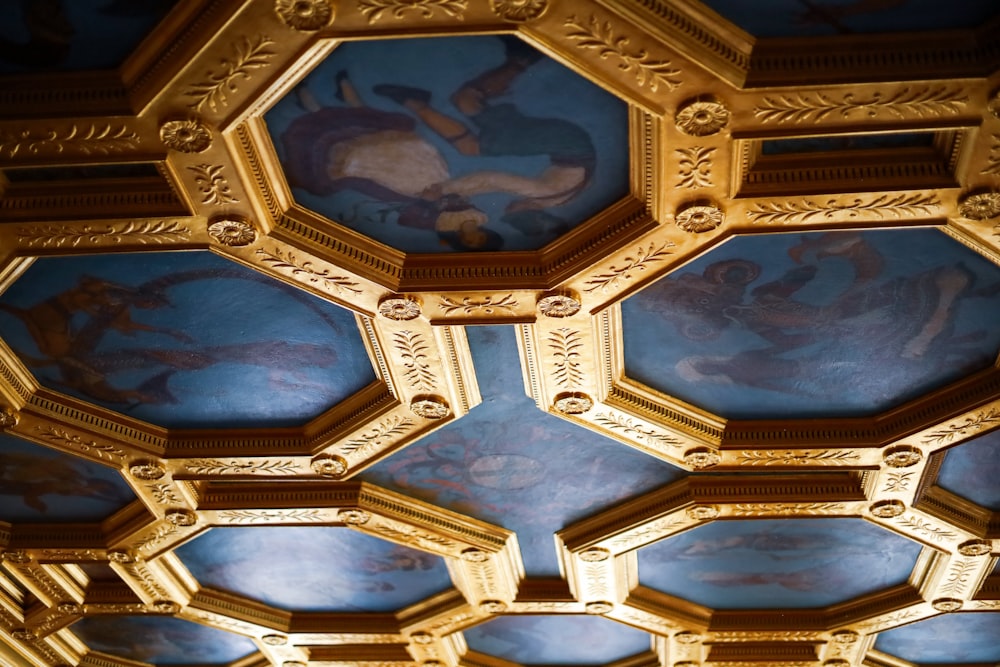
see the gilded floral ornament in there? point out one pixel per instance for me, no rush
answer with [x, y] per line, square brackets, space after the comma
[947, 604]
[902, 456]
[146, 470]
[493, 606]
[845, 637]
[700, 458]
[166, 607]
[573, 403]
[23, 635]
[274, 640]
[70, 608]
[18, 557]
[8, 418]
[975, 548]
[232, 231]
[703, 512]
[430, 407]
[595, 555]
[329, 466]
[181, 517]
[399, 308]
[304, 14]
[186, 136]
[887, 509]
[702, 117]
[475, 556]
[422, 638]
[519, 11]
[980, 206]
[698, 218]
[559, 305]
[598, 608]
[354, 517]
[687, 637]
[120, 557]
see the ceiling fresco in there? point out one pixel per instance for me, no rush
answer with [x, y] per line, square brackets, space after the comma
[487, 333]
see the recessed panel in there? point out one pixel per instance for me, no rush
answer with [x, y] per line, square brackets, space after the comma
[314, 569]
[839, 324]
[557, 640]
[971, 470]
[445, 144]
[161, 640]
[951, 639]
[42, 485]
[509, 463]
[847, 142]
[777, 564]
[183, 339]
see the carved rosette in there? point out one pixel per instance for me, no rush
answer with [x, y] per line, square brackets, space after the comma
[430, 407]
[23, 635]
[595, 555]
[329, 466]
[845, 637]
[120, 557]
[699, 217]
[186, 136]
[69, 608]
[166, 607]
[573, 403]
[519, 11]
[274, 640]
[703, 512]
[8, 418]
[687, 637]
[354, 517]
[232, 231]
[475, 556]
[399, 308]
[422, 638]
[947, 604]
[181, 517]
[493, 606]
[702, 117]
[700, 458]
[304, 15]
[980, 206]
[17, 557]
[902, 456]
[975, 548]
[887, 509]
[559, 305]
[598, 608]
[146, 470]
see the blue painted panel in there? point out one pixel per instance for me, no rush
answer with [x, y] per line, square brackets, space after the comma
[42, 485]
[557, 640]
[971, 470]
[509, 463]
[314, 569]
[480, 156]
[161, 640]
[183, 339]
[777, 564]
[837, 324]
[74, 34]
[791, 18]
[951, 639]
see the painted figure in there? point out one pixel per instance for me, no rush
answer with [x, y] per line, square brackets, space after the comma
[31, 477]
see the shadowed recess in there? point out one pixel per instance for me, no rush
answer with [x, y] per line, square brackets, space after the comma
[314, 568]
[42, 485]
[847, 142]
[434, 145]
[161, 640]
[509, 463]
[40, 35]
[972, 469]
[557, 640]
[952, 639]
[181, 340]
[838, 324]
[772, 564]
[791, 18]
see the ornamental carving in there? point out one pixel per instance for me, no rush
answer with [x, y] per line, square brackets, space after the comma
[947, 604]
[475, 556]
[702, 117]
[87, 140]
[573, 403]
[566, 346]
[274, 640]
[329, 465]
[969, 425]
[700, 458]
[422, 638]
[559, 305]
[214, 91]
[165, 607]
[8, 418]
[430, 407]
[146, 470]
[687, 637]
[17, 557]
[289, 263]
[880, 208]
[698, 218]
[598, 36]
[69, 608]
[703, 512]
[493, 606]
[886, 509]
[181, 517]
[354, 517]
[980, 206]
[213, 185]
[377, 436]
[413, 349]
[904, 103]
[695, 165]
[975, 548]
[486, 305]
[73, 236]
[642, 260]
[186, 136]
[595, 555]
[902, 456]
[598, 608]
[373, 10]
[399, 308]
[635, 430]
[120, 557]
[232, 231]
[519, 11]
[845, 637]
[304, 15]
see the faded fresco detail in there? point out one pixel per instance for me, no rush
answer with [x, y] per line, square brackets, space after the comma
[61, 34]
[162, 640]
[178, 339]
[972, 469]
[431, 145]
[800, 18]
[816, 325]
[511, 464]
[777, 564]
[314, 568]
[951, 639]
[42, 485]
[557, 640]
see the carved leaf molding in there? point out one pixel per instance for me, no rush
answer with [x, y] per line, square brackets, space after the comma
[630, 428]
[220, 467]
[800, 211]
[250, 54]
[88, 140]
[59, 436]
[147, 232]
[213, 185]
[907, 102]
[695, 165]
[616, 274]
[469, 305]
[413, 352]
[376, 437]
[290, 264]
[980, 422]
[795, 457]
[598, 35]
[566, 345]
[373, 10]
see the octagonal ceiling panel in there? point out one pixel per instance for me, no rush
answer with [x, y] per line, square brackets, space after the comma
[314, 569]
[39, 35]
[458, 143]
[838, 324]
[183, 340]
[972, 469]
[511, 464]
[791, 18]
[952, 639]
[777, 564]
[162, 640]
[557, 640]
[41, 485]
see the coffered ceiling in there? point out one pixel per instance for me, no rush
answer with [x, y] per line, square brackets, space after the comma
[499, 332]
